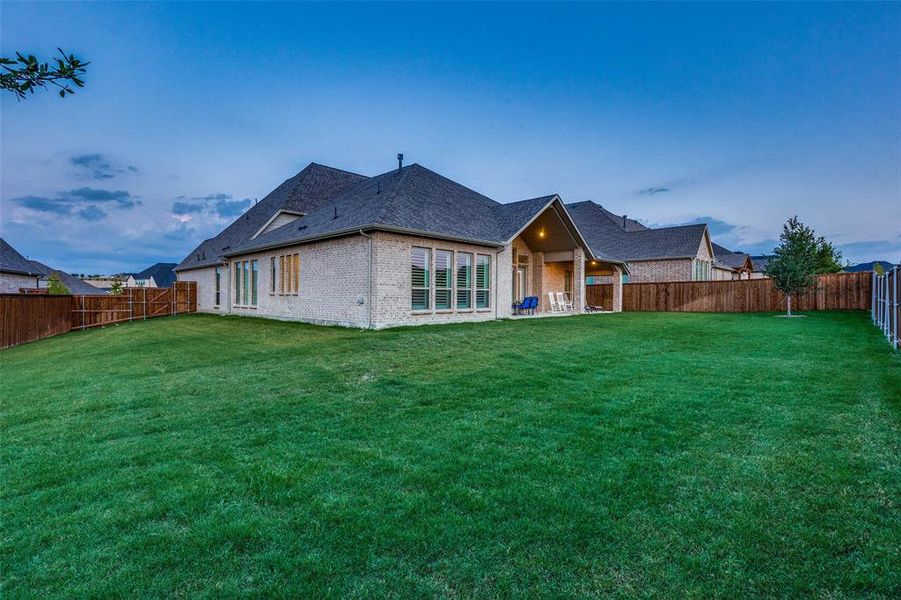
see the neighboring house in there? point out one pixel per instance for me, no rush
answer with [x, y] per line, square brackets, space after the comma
[17, 272]
[759, 264]
[160, 275]
[405, 247]
[731, 265]
[681, 253]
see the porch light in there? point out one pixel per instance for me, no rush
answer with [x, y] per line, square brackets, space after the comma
[541, 233]
[594, 262]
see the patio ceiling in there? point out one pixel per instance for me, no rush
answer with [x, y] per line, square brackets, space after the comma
[549, 232]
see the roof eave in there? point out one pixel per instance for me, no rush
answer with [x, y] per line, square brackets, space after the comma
[368, 227]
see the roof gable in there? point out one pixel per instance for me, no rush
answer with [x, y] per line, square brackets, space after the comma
[13, 262]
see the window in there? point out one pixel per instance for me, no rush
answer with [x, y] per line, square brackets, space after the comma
[700, 270]
[272, 272]
[238, 283]
[254, 278]
[483, 281]
[419, 277]
[246, 281]
[285, 274]
[443, 278]
[464, 280]
[625, 278]
[218, 286]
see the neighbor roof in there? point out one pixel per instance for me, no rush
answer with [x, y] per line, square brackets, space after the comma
[75, 285]
[760, 262]
[733, 260]
[607, 235]
[162, 274]
[13, 262]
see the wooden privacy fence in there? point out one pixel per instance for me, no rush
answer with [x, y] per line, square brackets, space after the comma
[26, 317]
[886, 310]
[838, 291]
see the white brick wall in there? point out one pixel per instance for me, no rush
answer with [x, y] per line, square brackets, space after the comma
[392, 289]
[10, 283]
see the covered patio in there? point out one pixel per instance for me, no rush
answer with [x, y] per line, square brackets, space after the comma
[550, 262]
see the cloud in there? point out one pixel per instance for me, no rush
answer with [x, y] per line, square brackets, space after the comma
[185, 208]
[99, 166]
[42, 204]
[120, 197]
[232, 208]
[91, 213]
[221, 205]
[653, 191]
[80, 202]
[716, 226]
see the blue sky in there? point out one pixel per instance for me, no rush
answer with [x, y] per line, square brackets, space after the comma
[740, 115]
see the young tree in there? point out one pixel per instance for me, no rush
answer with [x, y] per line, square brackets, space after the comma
[799, 258]
[20, 76]
[55, 287]
[116, 288]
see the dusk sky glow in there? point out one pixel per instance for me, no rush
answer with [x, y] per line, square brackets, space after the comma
[738, 115]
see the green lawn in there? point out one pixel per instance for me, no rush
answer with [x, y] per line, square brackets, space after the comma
[630, 454]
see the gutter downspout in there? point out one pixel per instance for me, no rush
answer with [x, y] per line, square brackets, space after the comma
[497, 295]
[369, 286]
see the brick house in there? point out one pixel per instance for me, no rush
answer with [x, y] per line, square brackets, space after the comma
[406, 247]
[681, 253]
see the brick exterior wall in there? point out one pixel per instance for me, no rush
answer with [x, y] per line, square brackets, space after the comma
[11, 282]
[678, 269]
[334, 282]
[332, 287]
[206, 288]
[391, 301]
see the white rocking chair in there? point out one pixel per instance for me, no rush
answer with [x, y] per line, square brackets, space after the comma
[555, 307]
[564, 304]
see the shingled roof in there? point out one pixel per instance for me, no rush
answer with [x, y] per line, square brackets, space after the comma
[13, 262]
[74, 284]
[609, 236]
[412, 199]
[730, 259]
[302, 193]
[162, 274]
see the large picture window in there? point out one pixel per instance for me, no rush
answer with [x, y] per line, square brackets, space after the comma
[483, 281]
[246, 282]
[420, 259]
[443, 278]
[464, 280]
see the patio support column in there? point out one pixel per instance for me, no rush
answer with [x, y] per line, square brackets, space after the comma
[617, 289]
[538, 281]
[578, 281]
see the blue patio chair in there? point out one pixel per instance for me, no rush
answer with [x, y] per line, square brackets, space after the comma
[527, 306]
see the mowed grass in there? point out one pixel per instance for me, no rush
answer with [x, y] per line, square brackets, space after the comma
[631, 454]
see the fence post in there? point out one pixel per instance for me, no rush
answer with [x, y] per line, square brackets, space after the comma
[895, 308]
[873, 297]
